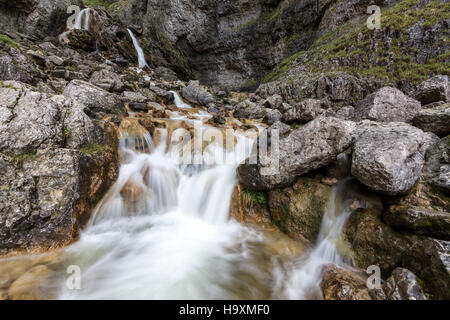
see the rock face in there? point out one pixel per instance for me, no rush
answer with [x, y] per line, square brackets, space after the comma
[419, 220]
[436, 120]
[341, 284]
[433, 90]
[403, 285]
[35, 17]
[387, 105]
[48, 187]
[388, 158]
[374, 243]
[233, 43]
[94, 98]
[298, 210]
[304, 111]
[310, 147]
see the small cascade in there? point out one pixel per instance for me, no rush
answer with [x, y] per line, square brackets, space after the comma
[306, 273]
[179, 101]
[141, 57]
[81, 22]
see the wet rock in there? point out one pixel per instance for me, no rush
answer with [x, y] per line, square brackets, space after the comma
[341, 284]
[94, 98]
[374, 243]
[387, 105]
[304, 111]
[419, 220]
[163, 95]
[433, 90]
[388, 158]
[11, 269]
[298, 210]
[22, 109]
[436, 120]
[33, 285]
[310, 147]
[403, 285]
[197, 94]
[250, 208]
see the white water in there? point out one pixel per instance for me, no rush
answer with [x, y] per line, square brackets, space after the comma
[179, 102]
[141, 57]
[81, 22]
[163, 232]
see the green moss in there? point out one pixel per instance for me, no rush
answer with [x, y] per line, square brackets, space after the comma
[66, 133]
[355, 49]
[10, 42]
[3, 85]
[92, 148]
[256, 197]
[97, 3]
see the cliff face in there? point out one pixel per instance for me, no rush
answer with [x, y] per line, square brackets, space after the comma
[233, 44]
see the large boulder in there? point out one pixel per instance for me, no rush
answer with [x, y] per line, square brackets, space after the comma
[342, 284]
[436, 119]
[433, 90]
[94, 98]
[298, 210]
[310, 147]
[28, 119]
[250, 110]
[419, 220]
[387, 105]
[197, 94]
[388, 158]
[304, 111]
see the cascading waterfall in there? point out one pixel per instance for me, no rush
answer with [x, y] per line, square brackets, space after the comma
[163, 230]
[179, 102]
[141, 57]
[81, 22]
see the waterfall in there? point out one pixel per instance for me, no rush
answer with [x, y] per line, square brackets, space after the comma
[81, 22]
[179, 102]
[141, 58]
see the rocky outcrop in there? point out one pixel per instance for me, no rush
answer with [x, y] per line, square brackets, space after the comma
[54, 168]
[435, 119]
[341, 284]
[389, 158]
[94, 98]
[298, 210]
[433, 90]
[35, 18]
[310, 147]
[387, 105]
[374, 243]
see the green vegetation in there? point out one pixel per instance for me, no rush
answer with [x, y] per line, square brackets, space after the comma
[97, 3]
[4, 85]
[92, 148]
[10, 42]
[20, 158]
[355, 49]
[256, 197]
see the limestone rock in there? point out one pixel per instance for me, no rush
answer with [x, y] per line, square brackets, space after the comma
[94, 98]
[433, 90]
[389, 158]
[341, 284]
[310, 147]
[195, 93]
[403, 285]
[436, 120]
[387, 105]
[304, 111]
[298, 210]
